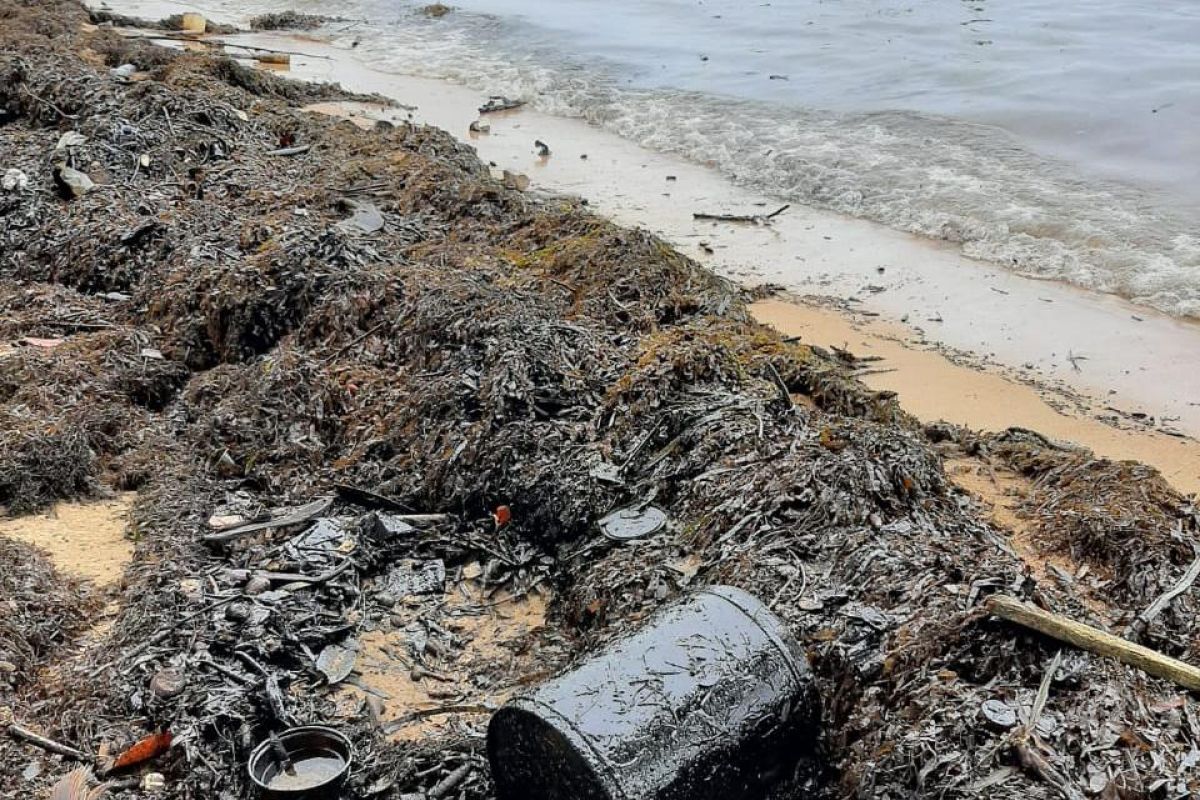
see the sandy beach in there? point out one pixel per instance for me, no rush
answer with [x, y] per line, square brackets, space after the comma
[316, 415]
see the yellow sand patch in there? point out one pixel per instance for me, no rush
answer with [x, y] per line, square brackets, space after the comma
[83, 539]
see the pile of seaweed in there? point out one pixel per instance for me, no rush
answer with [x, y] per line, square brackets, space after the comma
[241, 306]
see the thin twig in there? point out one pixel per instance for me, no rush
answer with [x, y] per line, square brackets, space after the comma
[38, 740]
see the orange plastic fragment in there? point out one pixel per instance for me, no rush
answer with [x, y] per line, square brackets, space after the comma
[152, 746]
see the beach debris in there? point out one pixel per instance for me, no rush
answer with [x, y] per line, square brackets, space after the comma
[633, 522]
[541, 148]
[757, 219]
[279, 518]
[499, 103]
[301, 761]
[748, 661]
[14, 180]
[72, 183]
[153, 782]
[365, 219]
[123, 72]
[75, 786]
[515, 180]
[279, 58]
[36, 739]
[478, 126]
[999, 714]
[502, 516]
[436, 10]
[294, 150]
[70, 139]
[336, 661]
[777, 77]
[193, 23]
[145, 749]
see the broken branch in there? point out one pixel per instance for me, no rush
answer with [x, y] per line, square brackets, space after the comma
[16, 731]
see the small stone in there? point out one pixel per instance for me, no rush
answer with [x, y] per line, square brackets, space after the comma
[237, 612]
[397, 621]
[14, 180]
[153, 782]
[7, 666]
[219, 522]
[192, 589]
[472, 571]
[73, 182]
[256, 586]
[385, 598]
[167, 683]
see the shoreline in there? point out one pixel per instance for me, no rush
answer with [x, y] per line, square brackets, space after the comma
[1010, 335]
[349, 375]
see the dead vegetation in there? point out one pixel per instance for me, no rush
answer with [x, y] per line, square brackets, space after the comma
[254, 307]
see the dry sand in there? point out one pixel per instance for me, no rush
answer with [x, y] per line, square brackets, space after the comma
[84, 539]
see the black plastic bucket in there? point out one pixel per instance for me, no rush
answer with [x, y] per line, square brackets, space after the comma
[321, 760]
[710, 700]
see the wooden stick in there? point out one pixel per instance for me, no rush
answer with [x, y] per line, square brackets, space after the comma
[48, 744]
[1094, 640]
[757, 218]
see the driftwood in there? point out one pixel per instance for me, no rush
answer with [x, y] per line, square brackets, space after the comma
[1095, 640]
[757, 219]
[301, 514]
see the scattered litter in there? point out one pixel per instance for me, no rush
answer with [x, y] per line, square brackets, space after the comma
[633, 522]
[365, 219]
[757, 219]
[336, 661]
[499, 103]
[70, 139]
[14, 180]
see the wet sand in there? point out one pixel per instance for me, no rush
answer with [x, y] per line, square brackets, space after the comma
[932, 387]
[1104, 352]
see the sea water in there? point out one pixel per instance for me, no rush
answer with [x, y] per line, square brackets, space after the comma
[1060, 140]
